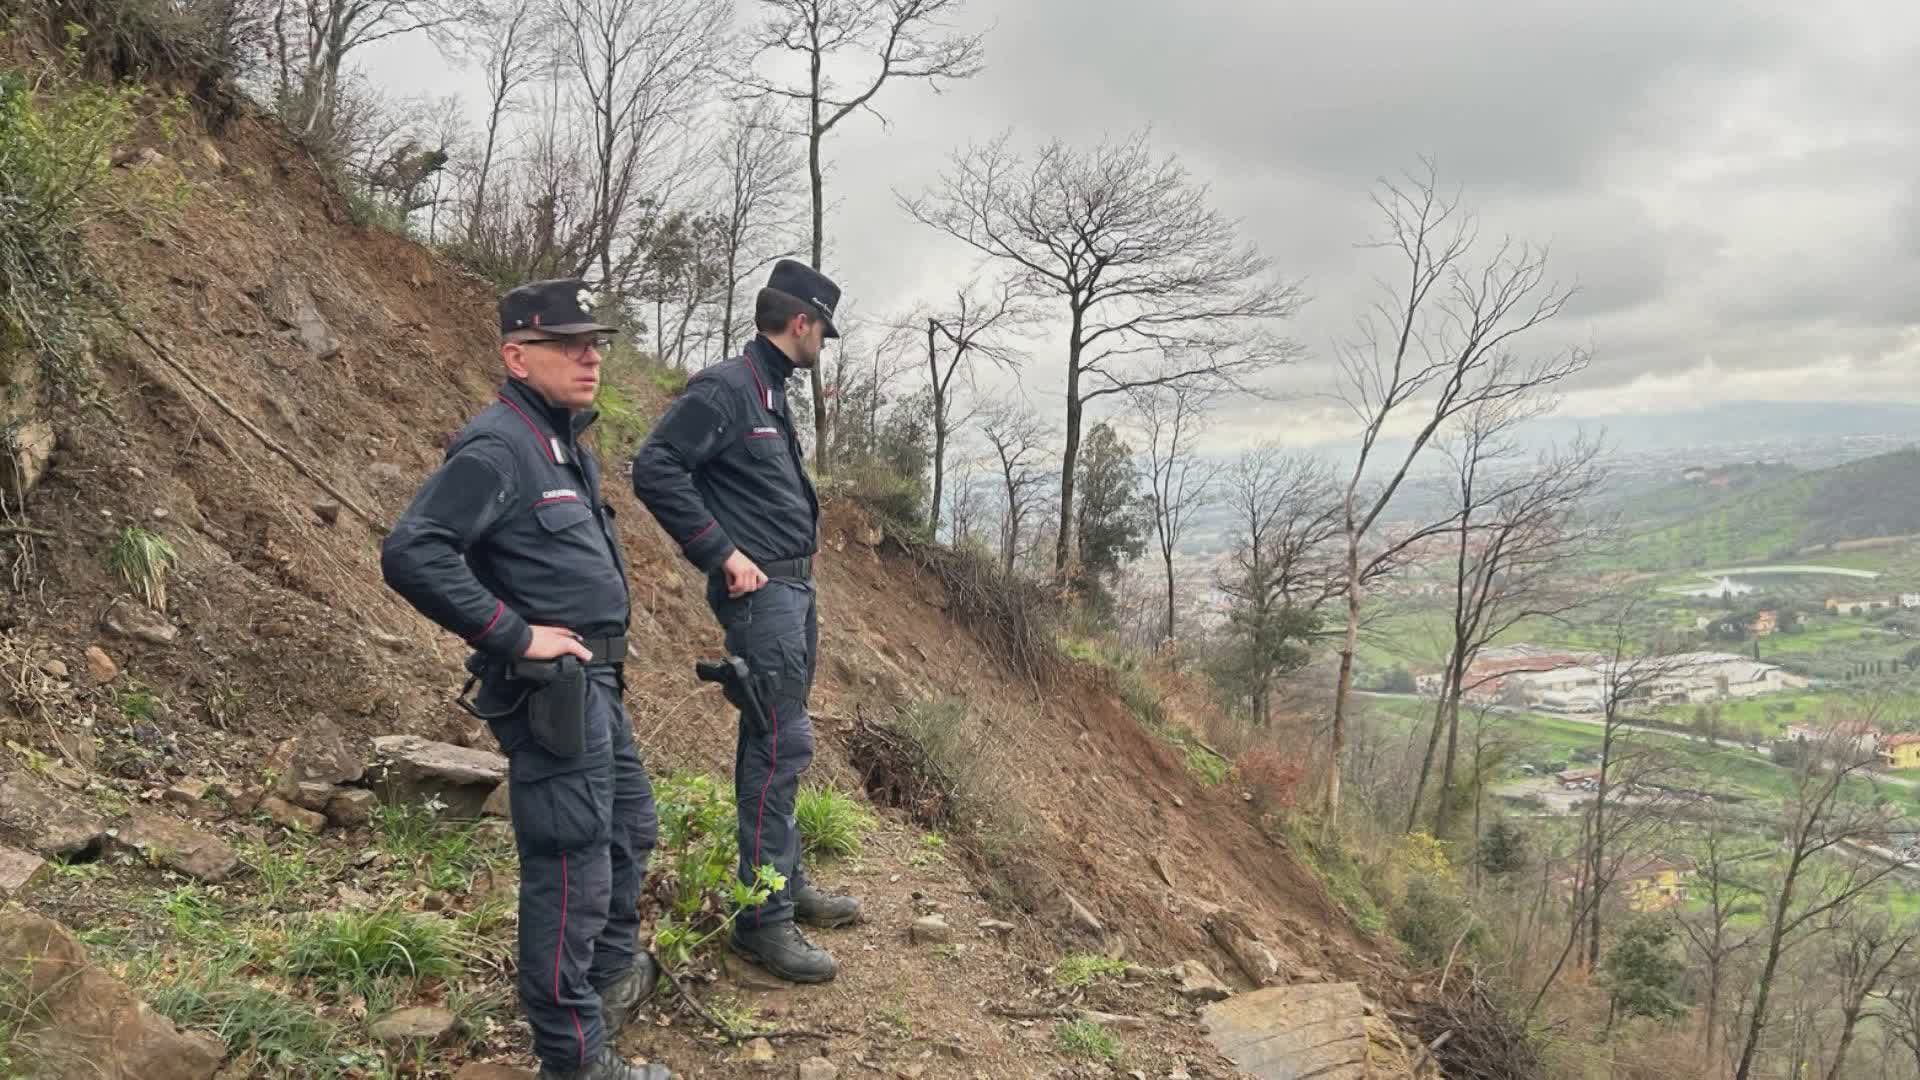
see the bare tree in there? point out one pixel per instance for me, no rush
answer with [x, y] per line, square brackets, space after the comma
[1437, 344]
[1020, 440]
[1824, 871]
[1518, 533]
[514, 57]
[897, 39]
[329, 31]
[974, 327]
[1180, 483]
[1903, 1013]
[1726, 871]
[1142, 262]
[760, 172]
[637, 68]
[1866, 946]
[966, 510]
[1284, 511]
[1625, 825]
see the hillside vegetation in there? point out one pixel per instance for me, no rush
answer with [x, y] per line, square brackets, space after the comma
[1778, 517]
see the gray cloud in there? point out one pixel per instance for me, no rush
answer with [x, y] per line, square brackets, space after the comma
[1729, 182]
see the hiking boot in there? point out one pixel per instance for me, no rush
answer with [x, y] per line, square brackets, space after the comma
[617, 1002]
[784, 951]
[823, 910]
[608, 1066]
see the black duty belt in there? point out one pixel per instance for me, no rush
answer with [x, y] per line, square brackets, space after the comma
[800, 569]
[606, 650]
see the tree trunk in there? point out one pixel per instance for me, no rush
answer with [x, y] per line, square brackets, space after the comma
[939, 432]
[1445, 804]
[726, 323]
[1070, 453]
[1757, 1022]
[1849, 1018]
[1433, 748]
[1168, 552]
[1598, 852]
[1344, 685]
[822, 462]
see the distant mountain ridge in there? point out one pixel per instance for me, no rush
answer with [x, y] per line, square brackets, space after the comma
[1771, 512]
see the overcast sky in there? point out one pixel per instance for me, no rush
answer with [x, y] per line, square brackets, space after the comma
[1734, 186]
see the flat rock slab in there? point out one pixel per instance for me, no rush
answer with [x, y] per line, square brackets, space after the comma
[46, 822]
[418, 1024]
[408, 768]
[19, 871]
[1293, 1032]
[86, 1023]
[176, 844]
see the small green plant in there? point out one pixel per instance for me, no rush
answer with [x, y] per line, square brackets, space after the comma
[1080, 969]
[1206, 766]
[933, 841]
[670, 380]
[622, 423]
[138, 704]
[143, 559]
[1084, 1040]
[697, 837]
[358, 950]
[446, 856]
[897, 1017]
[479, 1011]
[831, 824]
[288, 876]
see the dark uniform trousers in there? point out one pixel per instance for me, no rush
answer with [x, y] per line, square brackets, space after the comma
[774, 629]
[585, 827]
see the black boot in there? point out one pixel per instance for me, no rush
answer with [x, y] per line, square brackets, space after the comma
[618, 1001]
[782, 949]
[609, 1066]
[823, 910]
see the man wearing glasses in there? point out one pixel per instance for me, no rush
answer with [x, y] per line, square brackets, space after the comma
[510, 546]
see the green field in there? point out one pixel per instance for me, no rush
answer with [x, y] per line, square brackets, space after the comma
[1547, 741]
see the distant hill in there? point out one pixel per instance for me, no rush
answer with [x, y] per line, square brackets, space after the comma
[1745, 513]
[1734, 423]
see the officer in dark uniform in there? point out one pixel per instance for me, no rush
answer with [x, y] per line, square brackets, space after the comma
[722, 472]
[510, 546]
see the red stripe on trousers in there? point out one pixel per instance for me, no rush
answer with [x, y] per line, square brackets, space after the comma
[773, 762]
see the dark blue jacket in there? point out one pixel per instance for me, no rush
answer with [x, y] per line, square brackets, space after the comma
[723, 471]
[511, 530]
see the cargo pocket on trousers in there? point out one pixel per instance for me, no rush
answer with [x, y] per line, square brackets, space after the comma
[562, 812]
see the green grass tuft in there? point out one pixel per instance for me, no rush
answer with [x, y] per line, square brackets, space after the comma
[831, 824]
[1083, 968]
[360, 950]
[1085, 1040]
[142, 559]
[283, 1036]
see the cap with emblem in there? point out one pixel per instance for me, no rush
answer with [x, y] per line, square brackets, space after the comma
[562, 307]
[809, 286]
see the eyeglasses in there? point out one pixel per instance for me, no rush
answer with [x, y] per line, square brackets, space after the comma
[573, 346]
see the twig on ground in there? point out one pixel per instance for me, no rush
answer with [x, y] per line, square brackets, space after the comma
[732, 1035]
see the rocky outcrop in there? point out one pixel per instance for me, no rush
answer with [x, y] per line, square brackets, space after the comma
[408, 768]
[85, 1023]
[177, 845]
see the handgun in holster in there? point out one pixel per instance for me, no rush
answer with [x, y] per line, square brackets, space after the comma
[555, 696]
[742, 687]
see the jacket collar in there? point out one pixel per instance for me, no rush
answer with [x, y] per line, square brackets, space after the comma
[552, 419]
[770, 359]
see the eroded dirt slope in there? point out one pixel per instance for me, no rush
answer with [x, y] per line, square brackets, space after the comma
[361, 352]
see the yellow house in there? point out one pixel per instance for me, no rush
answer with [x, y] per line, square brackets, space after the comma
[1656, 887]
[1901, 752]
